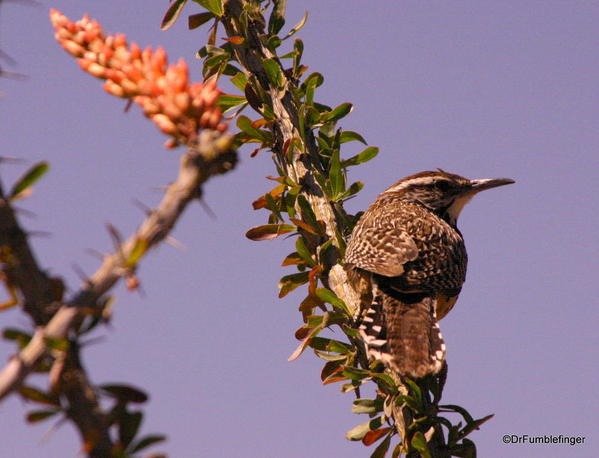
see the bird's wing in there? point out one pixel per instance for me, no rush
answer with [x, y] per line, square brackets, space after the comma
[380, 242]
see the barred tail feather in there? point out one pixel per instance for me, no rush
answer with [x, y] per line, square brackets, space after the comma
[404, 335]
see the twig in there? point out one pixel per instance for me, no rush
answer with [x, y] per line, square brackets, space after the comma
[211, 156]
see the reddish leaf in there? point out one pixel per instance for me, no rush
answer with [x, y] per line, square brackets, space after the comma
[309, 303]
[302, 333]
[40, 415]
[372, 436]
[261, 201]
[269, 231]
[331, 368]
[289, 282]
[305, 226]
[259, 123]
[292, 260]
[334, 380]
[236, 39]
[313, 281]
[302, 346]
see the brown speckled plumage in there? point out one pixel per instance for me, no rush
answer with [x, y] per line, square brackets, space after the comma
[407, 259]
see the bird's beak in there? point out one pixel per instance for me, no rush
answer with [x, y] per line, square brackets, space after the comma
[488, 183]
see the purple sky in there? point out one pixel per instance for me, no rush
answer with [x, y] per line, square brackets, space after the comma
[479, 88]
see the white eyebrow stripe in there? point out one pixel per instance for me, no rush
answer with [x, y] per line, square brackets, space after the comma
[420, 181]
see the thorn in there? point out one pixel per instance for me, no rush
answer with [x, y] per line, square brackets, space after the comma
[159, 188]
[114, 235]
[172, 241]
[95, 253]
[82, 276]
[143, 207]
[7, 58]
[39, 234]
[24, 212]
[207, 209]
[12, 160]
[117, 241]
[12, 75]
[92, 341]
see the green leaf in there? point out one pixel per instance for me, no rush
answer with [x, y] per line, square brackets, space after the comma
[240, 80]
[313, 79]
[273, 43]
[355, 374]
[416, 393]
[339, 112]
[274, 72]
[129, 423]
[289, 282]
[146, 442]
[33, 394]
[336, 176]
[172, 14]
[352, 190]
[329, 356]
[329, 296]
[386, 379]
[245, 124]
[124, 393]
[362, 157]
[297, 26]
[16, 334]
[196, 20]
[474, 425]
[298, 47]
[57, 343]
[227, 102]
[382, 448]
[30, 177]
[36, 416]
[311, 82]
[463, 412]
[214, 6]
[350, 136]
[269, 231]
[367, 406]
[277, 17]
[466, 449]
[419, 443]
[303, 251]
[357, 433]
[308, 215]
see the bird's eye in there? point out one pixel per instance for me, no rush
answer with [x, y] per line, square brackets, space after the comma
[443, 186]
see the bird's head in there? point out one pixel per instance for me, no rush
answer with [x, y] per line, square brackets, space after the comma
[443, 193]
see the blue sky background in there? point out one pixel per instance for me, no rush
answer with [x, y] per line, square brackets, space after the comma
[480, 88]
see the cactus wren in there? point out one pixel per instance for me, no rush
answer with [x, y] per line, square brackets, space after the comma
[407, 259]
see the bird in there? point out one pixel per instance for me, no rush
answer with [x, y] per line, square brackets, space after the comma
[407, 260]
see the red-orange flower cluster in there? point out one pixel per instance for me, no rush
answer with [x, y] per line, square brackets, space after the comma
[178, 108]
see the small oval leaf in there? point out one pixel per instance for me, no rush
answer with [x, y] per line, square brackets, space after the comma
[30, 177]
[269, 231]
[172, 14]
